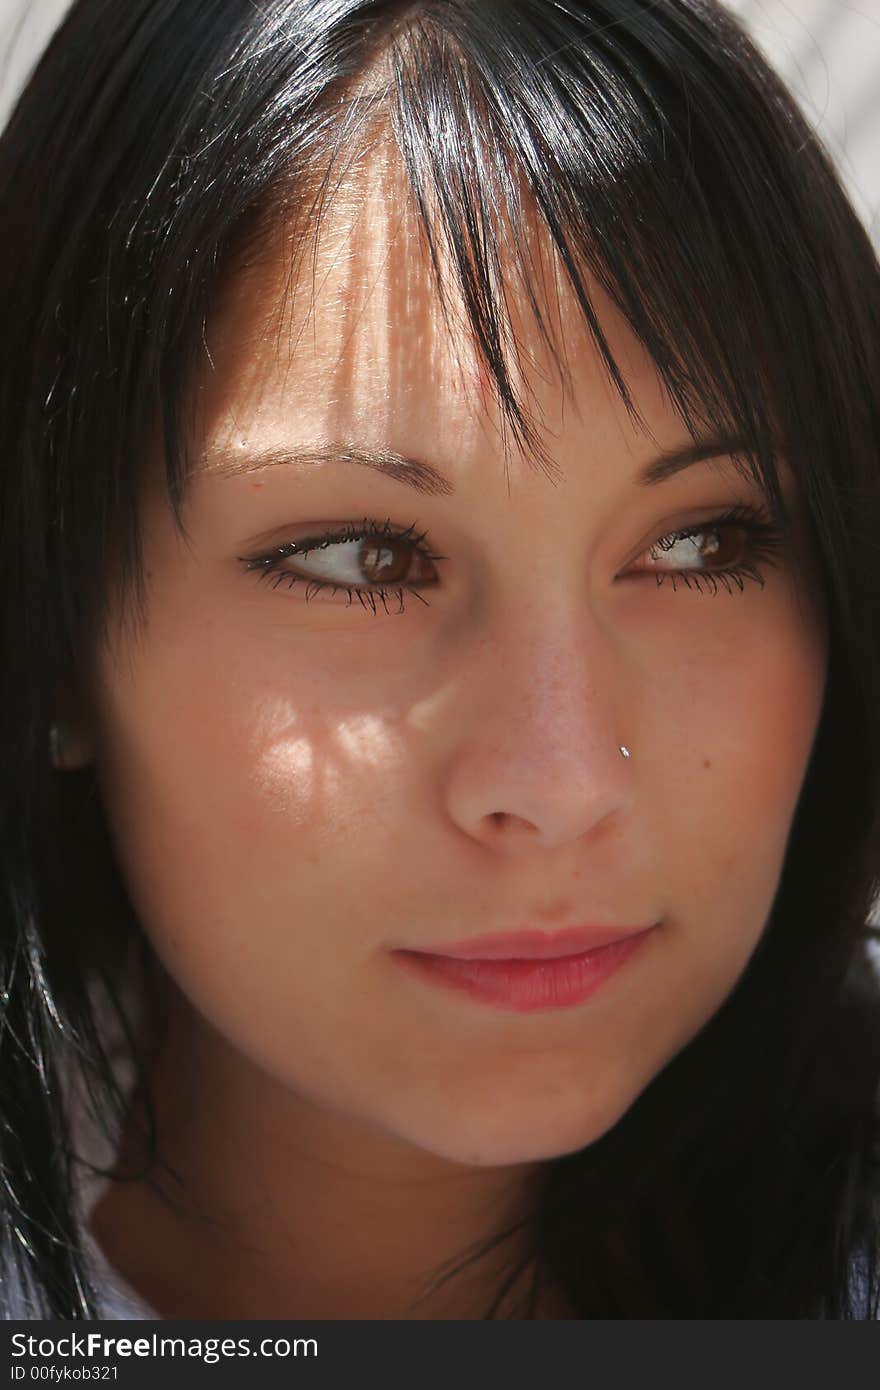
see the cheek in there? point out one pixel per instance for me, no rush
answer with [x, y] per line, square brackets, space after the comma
[723, 809]
[249, 817]
[256, 850]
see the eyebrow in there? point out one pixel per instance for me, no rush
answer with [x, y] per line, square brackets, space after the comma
[416, 474]
[425, 478]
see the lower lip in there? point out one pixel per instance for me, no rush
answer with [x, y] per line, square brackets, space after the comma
[526, 986]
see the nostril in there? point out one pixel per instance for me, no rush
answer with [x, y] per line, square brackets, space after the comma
[505, 819]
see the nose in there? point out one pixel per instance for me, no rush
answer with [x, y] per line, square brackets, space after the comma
[538, 760]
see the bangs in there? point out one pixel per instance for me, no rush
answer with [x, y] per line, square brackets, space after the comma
[632, 185]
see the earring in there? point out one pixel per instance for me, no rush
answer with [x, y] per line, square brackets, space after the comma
[625, 752]
[57, 739]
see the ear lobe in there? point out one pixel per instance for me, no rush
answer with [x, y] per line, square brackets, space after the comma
[70, 746]
[71, 742]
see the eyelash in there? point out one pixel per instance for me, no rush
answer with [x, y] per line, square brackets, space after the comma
[270, 564]
[764, 542]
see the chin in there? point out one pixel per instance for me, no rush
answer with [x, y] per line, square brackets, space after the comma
[520, 1137]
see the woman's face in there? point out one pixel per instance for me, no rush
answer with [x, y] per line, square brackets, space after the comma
[300, 786]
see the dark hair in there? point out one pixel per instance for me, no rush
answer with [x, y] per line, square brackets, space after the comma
[154, 144]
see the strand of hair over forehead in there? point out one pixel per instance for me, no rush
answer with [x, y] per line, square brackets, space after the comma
[572, 108]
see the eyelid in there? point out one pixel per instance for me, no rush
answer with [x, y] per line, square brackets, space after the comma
[325, 533]
[684, 518]
[278, 542]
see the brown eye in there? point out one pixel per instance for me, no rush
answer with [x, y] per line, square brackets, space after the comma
[387, 561]
[724, 550]
[722, 546]
[359, 559]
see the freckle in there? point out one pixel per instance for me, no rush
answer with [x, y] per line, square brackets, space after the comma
[706, 762]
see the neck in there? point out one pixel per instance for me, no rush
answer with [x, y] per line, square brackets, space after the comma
[278, 1208]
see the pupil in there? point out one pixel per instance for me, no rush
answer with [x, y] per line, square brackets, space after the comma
[379, 562]
[734, 545]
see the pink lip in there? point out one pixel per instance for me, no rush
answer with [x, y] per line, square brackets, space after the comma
[524, 972]
[531, 944]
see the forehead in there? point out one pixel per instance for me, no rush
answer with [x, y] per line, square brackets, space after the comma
[339, 317]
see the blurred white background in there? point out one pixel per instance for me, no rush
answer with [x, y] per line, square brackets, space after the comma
[828, 51]
[25, 29]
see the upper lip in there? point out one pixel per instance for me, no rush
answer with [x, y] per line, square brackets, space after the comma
[531, 944]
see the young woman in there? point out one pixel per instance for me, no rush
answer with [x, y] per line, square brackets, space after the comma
[440, 757]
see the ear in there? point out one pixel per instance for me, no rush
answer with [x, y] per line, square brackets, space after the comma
[71, 732]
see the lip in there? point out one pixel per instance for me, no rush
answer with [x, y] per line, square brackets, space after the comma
[531, 944]
[527, 971]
